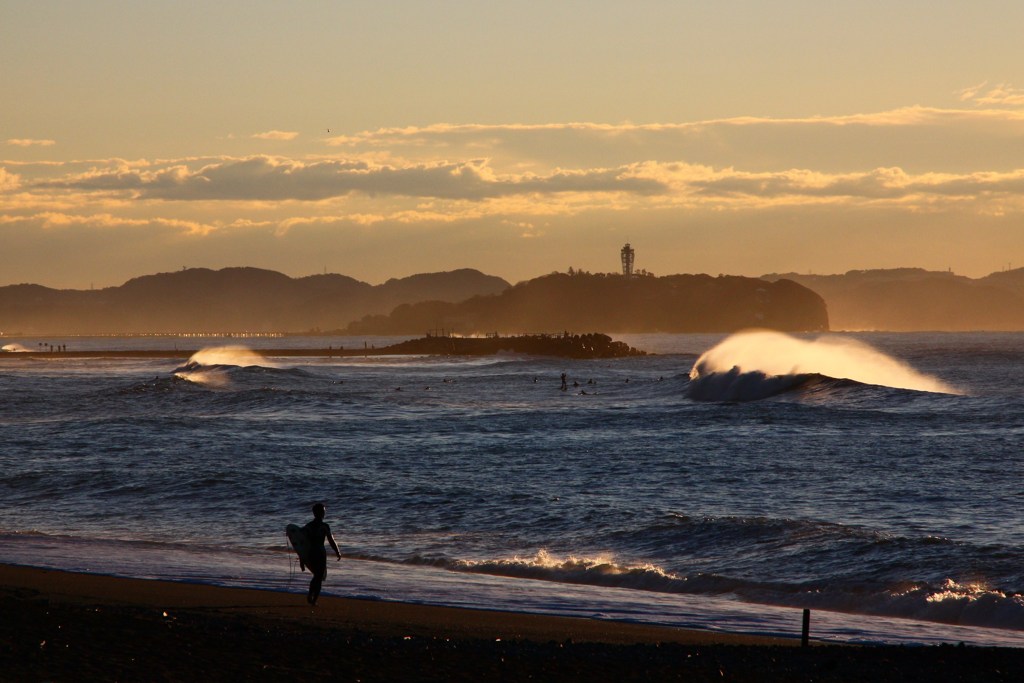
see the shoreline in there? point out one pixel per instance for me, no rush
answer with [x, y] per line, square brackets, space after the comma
[57, 625]
[384, 617]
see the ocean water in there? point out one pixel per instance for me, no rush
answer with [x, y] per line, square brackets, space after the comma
[721, 483]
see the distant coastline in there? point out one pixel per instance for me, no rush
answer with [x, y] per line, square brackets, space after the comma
[592, 345]
[464, 301]
[918, 300]
[250, 302]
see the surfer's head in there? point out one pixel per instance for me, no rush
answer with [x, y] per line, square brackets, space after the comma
[319, 510]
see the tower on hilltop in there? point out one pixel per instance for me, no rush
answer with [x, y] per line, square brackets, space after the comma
[627, 260]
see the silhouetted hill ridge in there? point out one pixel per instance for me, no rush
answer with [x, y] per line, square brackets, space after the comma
[449, 286]
[915, 299]
[1010, 280]
[227, 300]
[613, 303]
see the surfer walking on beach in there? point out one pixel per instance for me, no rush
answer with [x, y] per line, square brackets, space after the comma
[317, 531]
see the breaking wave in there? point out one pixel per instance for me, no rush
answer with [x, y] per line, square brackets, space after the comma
[750, 366]
[240, 356]
[592, 571]
[946, 602]
[212, 366]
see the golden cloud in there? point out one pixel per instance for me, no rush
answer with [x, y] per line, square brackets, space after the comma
[274, 179]
[276, 135]
[461, 190]
[908, 137]
[1001, 95]
[903, 116]
[28, 142]
[8, 181]
[55, 220]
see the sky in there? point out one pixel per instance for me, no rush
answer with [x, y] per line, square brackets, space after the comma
[384, 139]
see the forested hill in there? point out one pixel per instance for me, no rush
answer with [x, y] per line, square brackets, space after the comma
[613, 303]
[228, 300]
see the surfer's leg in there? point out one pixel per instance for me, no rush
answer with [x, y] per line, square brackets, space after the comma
[318, 568]
[314, 588]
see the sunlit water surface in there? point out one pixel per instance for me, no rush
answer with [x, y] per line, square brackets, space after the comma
[728, 499]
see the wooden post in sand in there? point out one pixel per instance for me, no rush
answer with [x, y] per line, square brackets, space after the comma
[805, 634]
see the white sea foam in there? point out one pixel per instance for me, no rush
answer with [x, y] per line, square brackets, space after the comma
[277, 571]
[951, 603]
[210, 366]
[599, 570]
[13, 348]
[755, 364]
[214, 377]
[229, 355]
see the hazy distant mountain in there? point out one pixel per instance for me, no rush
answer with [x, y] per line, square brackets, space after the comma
[457, 285]
[612, 303]
[913, 299]
[255, 300]
[228, 300]
[1011, 280]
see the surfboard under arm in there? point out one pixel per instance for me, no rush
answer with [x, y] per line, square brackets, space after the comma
[300, 543]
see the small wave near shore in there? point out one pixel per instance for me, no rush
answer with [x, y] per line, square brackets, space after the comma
[945, 602]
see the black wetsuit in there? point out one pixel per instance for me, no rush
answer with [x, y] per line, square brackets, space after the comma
[317, 532]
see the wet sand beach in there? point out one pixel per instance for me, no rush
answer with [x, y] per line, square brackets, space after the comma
[81, 627]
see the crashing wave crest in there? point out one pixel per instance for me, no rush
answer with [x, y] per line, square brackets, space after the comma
[749, 366]
[210, 366]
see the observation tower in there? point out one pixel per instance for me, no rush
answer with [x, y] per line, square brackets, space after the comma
[627, 260]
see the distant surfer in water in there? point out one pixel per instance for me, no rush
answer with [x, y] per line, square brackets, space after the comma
[317, 532]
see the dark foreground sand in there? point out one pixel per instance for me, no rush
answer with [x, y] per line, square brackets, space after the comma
[57, 626]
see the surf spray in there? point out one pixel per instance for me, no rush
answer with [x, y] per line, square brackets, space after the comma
[760, 363]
